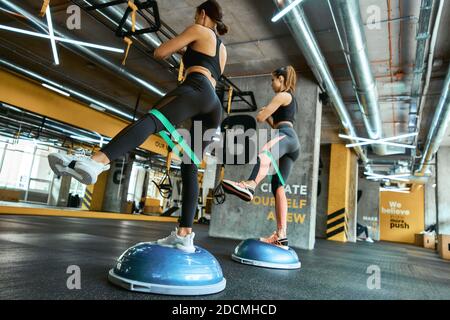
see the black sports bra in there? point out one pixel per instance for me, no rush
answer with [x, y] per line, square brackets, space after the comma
[286, 113]
[194, 58]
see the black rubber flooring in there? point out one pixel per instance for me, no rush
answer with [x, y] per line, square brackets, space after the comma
[35, 253]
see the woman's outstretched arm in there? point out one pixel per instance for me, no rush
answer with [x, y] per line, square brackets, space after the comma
[178, 43]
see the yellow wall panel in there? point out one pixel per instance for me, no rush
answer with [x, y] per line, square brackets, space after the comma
[402, 215]
[18, 91]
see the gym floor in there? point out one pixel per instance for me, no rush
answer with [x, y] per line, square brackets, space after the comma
[36, 252]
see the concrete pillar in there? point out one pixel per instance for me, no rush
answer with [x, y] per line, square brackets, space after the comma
[117, 186]
[64, 190]
[239, 220]
[140, 184]
[342, 194]
[430, 201]
[368, 206]
[443, 187]
[60, 191]
[322, 191]
[94, 194]
[352, 198]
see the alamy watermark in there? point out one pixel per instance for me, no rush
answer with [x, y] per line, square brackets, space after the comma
[374, 280]
[374, 17]
[234, 146]
[74, 280]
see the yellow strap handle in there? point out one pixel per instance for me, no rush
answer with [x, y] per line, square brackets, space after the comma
[181, 72]
[222, 173]
[230, 98]
[17, 136]
[129, 42]
[45, 5]
[134, 9]
[168, 161]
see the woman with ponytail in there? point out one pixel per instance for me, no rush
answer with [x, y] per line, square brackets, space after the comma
[280, 114]
[204, 59]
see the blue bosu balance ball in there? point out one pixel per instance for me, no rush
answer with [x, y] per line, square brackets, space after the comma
[261, 254]
[149, 267]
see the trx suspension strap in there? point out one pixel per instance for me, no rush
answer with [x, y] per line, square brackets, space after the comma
[172, 146]
[129, 42]
[44, 7]
[176, 136]
[275, 165]
[230, 99]
[134, 9]
[181, 72]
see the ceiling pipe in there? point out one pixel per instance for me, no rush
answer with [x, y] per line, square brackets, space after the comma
[350, 29]
[301, 31]
[438, 128]
[419, 101]
[85, 52]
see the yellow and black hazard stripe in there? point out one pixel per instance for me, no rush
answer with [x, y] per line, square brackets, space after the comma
[87, 199]
[337, 225]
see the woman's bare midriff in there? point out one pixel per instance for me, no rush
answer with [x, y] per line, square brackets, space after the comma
[202, 70]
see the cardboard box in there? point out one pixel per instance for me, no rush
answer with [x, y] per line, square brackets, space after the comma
[418, 239]
[429, 241]
[425, 240]
[153, 209]
[151, 202]
[444, 246]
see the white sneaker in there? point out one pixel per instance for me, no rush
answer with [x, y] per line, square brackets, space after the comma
[58, 163]
[185, 244]
[369, 240]
[83, 169]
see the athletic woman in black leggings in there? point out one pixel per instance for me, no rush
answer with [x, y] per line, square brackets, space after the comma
[284, 148]
[204, 59]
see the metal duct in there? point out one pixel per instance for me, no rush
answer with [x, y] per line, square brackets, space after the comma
[87, 53]
[299, 26]
[418, 103]
[350, 29]
[422, 36]
[438, 127]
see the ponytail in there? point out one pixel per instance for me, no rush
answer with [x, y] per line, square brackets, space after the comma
[290, 77]
[222, 28]
[214, 11]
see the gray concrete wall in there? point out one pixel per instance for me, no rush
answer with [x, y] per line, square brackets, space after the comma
[368, 207]
[239, 220]
[322, 192]
[443, 187]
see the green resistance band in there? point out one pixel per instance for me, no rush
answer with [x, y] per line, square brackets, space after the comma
[175, 148]
[176, 136]
[275, 165]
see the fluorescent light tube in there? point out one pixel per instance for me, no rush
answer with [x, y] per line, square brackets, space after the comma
[55, 89]
[52, 35]
[286, 10]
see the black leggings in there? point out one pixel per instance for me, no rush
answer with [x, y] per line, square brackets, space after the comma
[360, 229]
[286, 151]
[195, 99]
